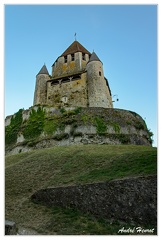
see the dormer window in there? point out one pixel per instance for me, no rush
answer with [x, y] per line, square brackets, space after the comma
[83, 56]
[72, 57]
[65, 59]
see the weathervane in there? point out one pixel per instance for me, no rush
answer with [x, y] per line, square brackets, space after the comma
[75, 36]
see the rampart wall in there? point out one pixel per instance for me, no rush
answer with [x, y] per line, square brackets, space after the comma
[42, 127]
[130, 200]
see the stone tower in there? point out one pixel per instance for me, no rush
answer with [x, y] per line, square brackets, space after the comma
[99, 94]
[40, 94]
[72, 60]
[68, 85]
[77, 81]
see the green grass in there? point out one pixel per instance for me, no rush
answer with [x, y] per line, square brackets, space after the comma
[62, 166]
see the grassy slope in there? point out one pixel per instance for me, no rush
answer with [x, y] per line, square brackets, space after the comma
[61, 166]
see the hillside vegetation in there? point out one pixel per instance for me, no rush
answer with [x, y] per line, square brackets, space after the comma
[62, 166]
[115, 125]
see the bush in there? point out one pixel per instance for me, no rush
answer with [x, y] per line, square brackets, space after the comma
[62, 110]
[77, 110]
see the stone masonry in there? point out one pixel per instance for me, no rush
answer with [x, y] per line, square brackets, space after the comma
[77, 81]
[130, 200]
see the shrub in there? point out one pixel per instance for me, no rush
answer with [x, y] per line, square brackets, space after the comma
[77, 110]
[150, 136]
[62, 110]
[139, 125]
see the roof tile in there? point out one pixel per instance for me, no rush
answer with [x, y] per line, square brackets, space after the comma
[43, 70]
[94, 57]
[75, 47]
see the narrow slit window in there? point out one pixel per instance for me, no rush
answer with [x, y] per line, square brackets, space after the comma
[99, 73]
[65, 59]
[72, 57]
[83, 56]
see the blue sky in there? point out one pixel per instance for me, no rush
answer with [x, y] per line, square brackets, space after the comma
[123, 36]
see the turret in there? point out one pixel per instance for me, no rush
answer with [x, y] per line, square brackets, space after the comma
[40, 94]
[99, 94]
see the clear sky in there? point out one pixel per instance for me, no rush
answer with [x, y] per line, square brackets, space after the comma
[123, 36]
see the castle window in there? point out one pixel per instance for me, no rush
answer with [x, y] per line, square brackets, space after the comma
[72, 57]
[83, 56]
[54, 83]
[65, 59]
[99, 73]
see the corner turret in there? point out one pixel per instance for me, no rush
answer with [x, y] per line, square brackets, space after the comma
[40, 94]
[99, 94]
[43, 70]
[94, 57]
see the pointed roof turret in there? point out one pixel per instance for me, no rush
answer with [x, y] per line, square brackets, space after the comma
[94, 57]
[43, 70]
[75, 47]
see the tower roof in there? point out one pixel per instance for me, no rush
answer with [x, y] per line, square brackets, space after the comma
[94, 57]
[43, 70]
[75, 47]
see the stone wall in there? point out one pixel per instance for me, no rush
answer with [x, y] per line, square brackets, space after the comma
[130, 200]
[60, 68]
[89, 126]
[73, 93]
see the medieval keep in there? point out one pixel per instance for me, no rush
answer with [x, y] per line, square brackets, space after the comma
[77, 83]
[77, 80]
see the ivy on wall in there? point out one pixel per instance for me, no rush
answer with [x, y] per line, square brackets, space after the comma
[35, 124]
[101, 126]
[12, 130]
[40, 121]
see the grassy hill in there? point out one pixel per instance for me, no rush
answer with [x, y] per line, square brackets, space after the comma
[62, 166]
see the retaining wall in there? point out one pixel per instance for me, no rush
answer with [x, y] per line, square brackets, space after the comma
[131, 200]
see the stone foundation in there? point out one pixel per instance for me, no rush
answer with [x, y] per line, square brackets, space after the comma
[89, 126]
